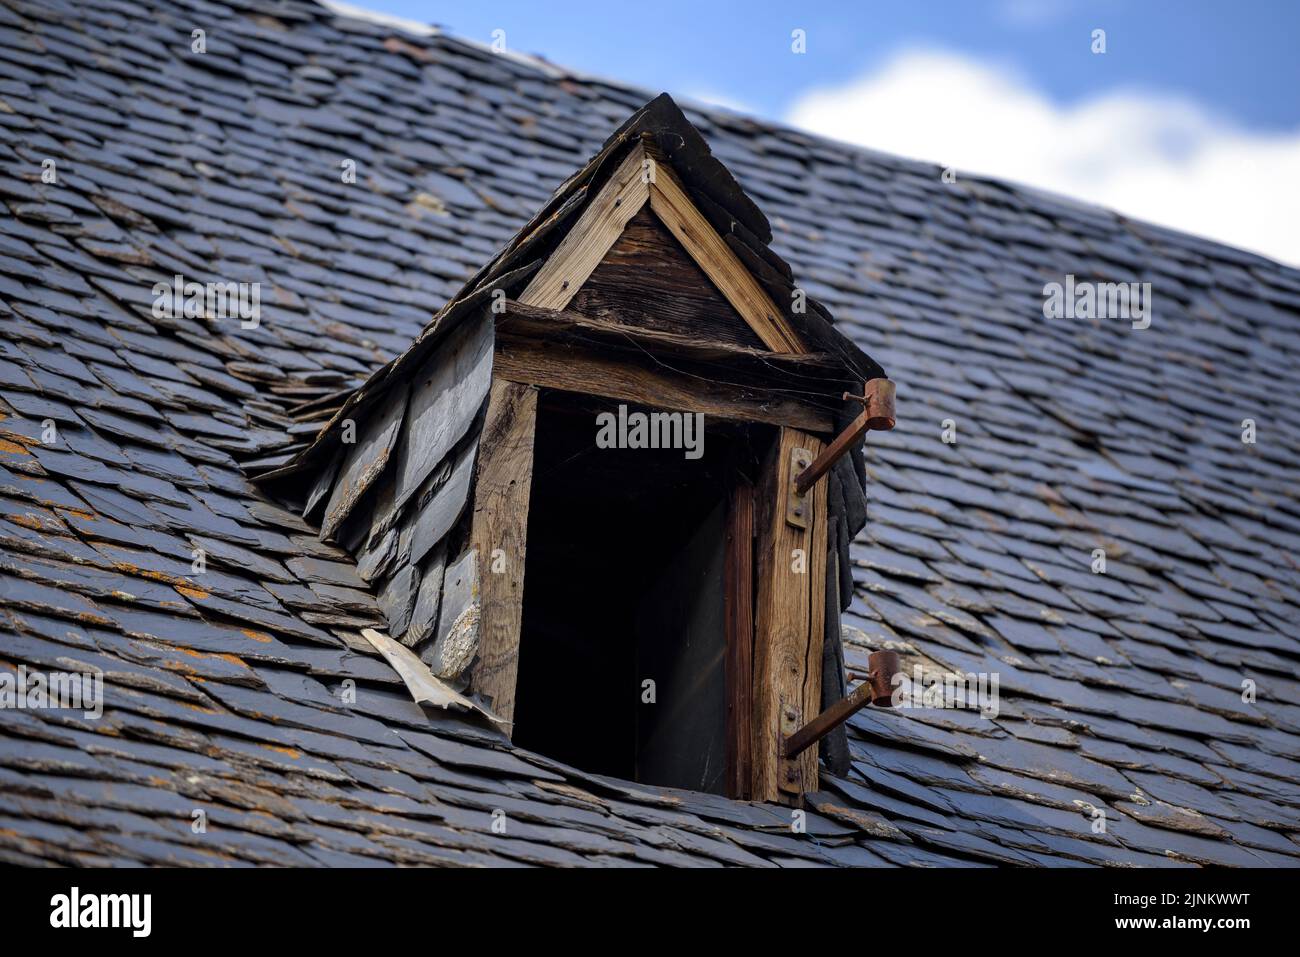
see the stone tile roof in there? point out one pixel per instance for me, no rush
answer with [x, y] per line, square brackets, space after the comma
[224, 691]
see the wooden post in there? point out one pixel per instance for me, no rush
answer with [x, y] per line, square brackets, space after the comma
[738, 611]
[499, 532]
[789, 623]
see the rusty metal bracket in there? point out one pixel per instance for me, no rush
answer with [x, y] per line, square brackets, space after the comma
[878, 689]
[788, 777]
[796, 502]
[877, 415]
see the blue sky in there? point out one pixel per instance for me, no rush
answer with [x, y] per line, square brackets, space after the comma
[1191, 112]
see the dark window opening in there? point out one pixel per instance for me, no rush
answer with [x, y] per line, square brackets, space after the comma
[624, 583]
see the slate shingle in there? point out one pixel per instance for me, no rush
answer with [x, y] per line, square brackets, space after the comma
[1120, 691]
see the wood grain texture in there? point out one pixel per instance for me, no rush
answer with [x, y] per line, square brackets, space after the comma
[812, 372]
[590, 238]
[500, 521]
[594, 371]
[670, 202]
[788, 624]
[648, 280]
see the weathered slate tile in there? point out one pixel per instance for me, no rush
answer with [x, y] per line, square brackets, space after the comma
[456, 643]
[440, 507]
[1123, 687]
[366, 459]
[444, 400]
[232, 556]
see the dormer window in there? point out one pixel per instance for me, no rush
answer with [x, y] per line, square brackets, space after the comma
[663, 607]
[633, 575]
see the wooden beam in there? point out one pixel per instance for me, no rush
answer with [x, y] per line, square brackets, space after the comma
[671, 203]
[789, 623]
[738, 611]
[498, 532]
[587, 242]
[572, 367]
[812, 371]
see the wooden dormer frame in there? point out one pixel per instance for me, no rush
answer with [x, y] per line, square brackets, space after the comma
[643, 177]
[626, 290]
[782, 690]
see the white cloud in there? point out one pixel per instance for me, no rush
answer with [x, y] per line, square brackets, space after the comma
[1159, 158]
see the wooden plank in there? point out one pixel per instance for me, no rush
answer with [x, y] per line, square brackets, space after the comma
[499, 534]
[647, 280]
[829, 720]
[817, 549]
[670, 202]
[812, 371]
[739, 624]
[593, 371]
[597, 229]
[788, 625]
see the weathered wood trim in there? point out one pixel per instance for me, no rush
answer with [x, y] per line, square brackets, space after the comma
[738, 610]
[571, 367]
[587, 242]
[670, 202]
[500, 521]
[811, 370]
[788, 624]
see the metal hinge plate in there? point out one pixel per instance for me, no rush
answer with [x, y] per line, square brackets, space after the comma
[797, 503]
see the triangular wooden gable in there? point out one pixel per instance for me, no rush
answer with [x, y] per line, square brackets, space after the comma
[643, 218]
[648, 280]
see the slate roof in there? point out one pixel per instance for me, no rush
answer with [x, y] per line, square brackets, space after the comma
[1120, 691]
